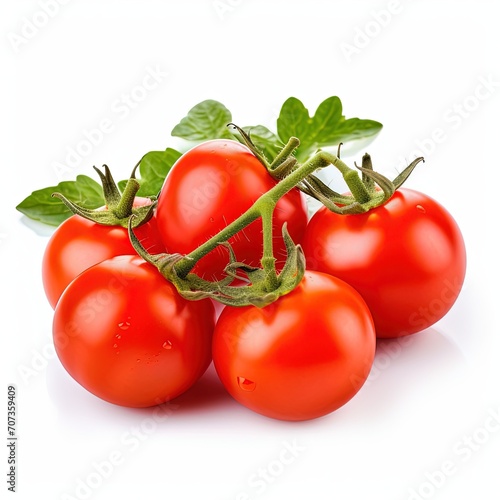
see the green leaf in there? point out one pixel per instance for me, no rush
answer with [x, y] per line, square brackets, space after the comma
[153, 169]
[265, 140]
[293, 121]
[355, 128]
[207, 120]
[42, 207]
[327, 127]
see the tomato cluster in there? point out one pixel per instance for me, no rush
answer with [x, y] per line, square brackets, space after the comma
[127, 335]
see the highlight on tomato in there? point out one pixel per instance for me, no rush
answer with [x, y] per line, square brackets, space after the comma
[126, 335]
[301, 357]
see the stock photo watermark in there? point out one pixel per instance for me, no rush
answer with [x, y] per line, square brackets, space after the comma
[121, 109]
[364, 35]
[259, 481]
[387, 352]
[429, 313]
[102, 469]
[38, 361]
[12, 455]
[454, 117]
[202, 197]
[32, 25]
[225, 7]
[462, 451]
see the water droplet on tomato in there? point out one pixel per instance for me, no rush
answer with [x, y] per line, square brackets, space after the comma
[167, 344]
[138, 360]
[124, 325]
[212, 219]
[118, 336]
[115, 345]
[246, 384]
[420, 208]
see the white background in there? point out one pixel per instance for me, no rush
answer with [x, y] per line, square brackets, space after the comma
[428, 70]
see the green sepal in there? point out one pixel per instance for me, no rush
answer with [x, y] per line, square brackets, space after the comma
[119, 206]
[257, 292]
[369, 191]
[401, 178]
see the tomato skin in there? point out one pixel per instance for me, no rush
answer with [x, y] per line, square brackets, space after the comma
[301, 357]
[406, 258]
[124, 333]
[209, 187]
[79, 243]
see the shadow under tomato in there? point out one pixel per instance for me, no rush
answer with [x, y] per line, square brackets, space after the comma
[208, 392]
[408, 368]
[403, 371]
[75, 404]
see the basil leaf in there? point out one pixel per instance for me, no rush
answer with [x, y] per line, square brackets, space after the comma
[327, 127]
[40, 205]
[153, 169]
[207, 120]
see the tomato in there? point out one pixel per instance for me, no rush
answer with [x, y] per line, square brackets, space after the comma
[301, 357]
[79, 243]
[406, 258]
[126, 335]
[208, 188]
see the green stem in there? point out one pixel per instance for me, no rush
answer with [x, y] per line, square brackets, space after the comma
[184, 266]
[351, 177]
[268, 260]
[292, 144]
[124, 207]
[357, 188]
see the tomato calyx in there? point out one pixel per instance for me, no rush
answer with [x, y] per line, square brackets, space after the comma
[368, 191]
[119, 205]
[261, 288]
[282, 165]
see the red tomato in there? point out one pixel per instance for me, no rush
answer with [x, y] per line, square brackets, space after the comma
[126, 335]
[208, 188]
[301, 357]
[79, 243]
[406, 258]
